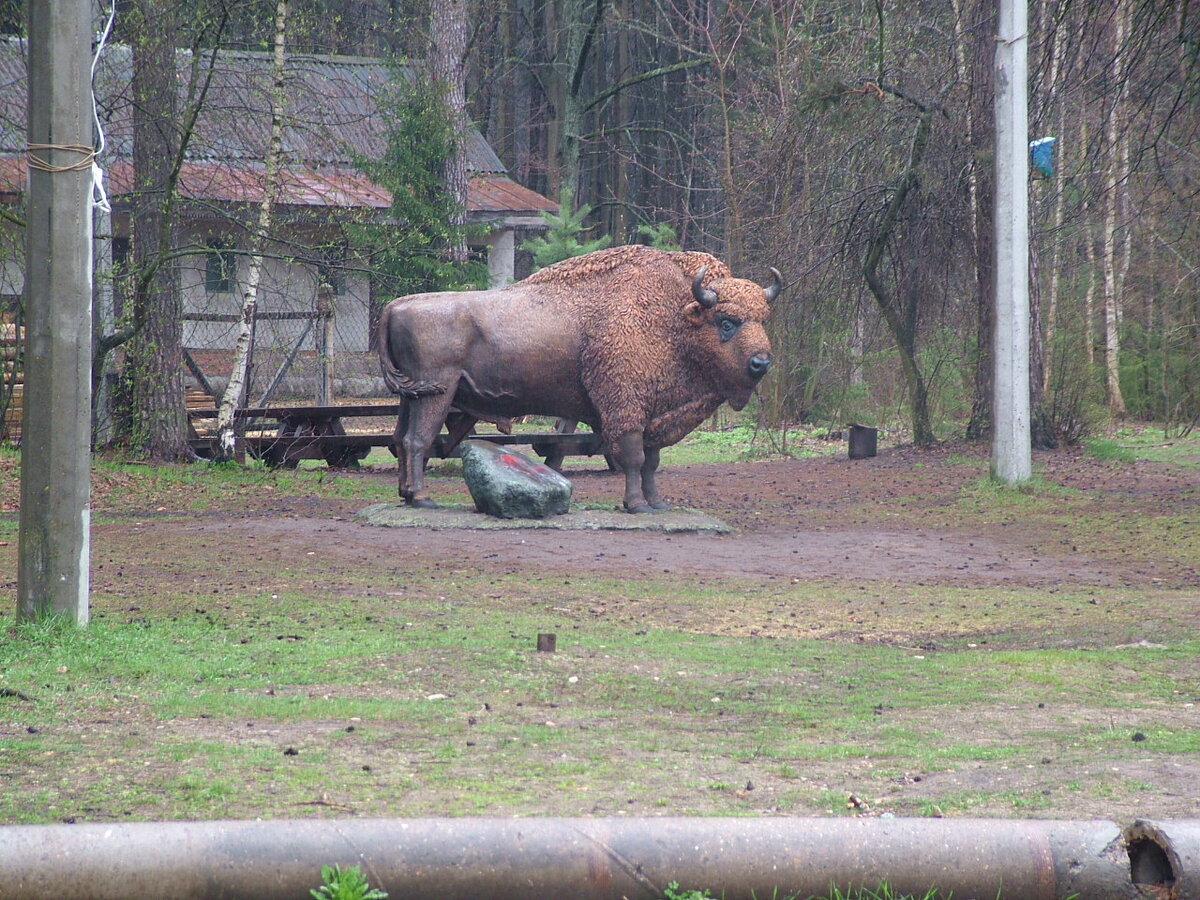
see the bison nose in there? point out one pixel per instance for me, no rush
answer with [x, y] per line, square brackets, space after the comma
[758, 365]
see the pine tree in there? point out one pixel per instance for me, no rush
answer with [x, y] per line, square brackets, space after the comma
[562, 239]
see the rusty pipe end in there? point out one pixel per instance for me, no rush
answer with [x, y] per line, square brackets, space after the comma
[1163, 857]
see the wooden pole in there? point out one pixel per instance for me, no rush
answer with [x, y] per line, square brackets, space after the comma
[1011, 443]
[55, 526]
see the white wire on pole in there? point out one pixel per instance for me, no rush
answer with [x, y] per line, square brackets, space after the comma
[99, 194]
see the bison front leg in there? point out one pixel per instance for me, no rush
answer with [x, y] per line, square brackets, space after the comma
[639, 465]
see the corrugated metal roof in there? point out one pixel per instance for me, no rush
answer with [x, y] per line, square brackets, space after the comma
[243, 183]
[336, 116]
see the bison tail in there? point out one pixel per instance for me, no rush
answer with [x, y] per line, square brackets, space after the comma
[397, 381]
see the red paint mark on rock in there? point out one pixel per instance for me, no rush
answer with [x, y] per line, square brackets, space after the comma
[522, 464]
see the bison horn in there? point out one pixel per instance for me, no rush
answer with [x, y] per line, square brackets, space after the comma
[705, 297]
[773, 291]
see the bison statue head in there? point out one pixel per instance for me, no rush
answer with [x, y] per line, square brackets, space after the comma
[729, 313]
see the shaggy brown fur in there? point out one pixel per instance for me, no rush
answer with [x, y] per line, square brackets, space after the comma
[594, 265]
[615, 339]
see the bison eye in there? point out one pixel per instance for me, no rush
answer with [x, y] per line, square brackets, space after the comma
[727, 327]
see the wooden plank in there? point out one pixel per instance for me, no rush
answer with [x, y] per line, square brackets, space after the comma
[323, 445]
[263, 316]
[11, 336]
[198, 400]
[353, 410]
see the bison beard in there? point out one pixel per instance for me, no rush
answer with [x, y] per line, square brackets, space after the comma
[641, 344]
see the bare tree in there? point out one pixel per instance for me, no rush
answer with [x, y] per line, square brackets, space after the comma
[235, 387]
[152, 419]
[978, 33]
[899, 303]
[1117, 166]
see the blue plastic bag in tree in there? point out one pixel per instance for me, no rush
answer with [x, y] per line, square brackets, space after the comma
[1041, 156]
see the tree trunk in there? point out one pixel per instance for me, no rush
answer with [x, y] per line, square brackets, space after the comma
[1089, 255]
[982, 140]
[580, 26]
[1058, 116]
[523, 152]
[237, 377]
[899, 307]
[157, 421]
[1118, 139]
[447, 68]
[1041, 425]
[618, 218]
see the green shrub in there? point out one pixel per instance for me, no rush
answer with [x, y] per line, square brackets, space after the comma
[345, 884]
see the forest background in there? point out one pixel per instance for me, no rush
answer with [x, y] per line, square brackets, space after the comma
[846, 142]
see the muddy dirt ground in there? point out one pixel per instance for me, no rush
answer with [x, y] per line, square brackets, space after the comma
[897, 517]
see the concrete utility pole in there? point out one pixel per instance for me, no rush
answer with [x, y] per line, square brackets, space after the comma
[55, 527]
[1011, 447]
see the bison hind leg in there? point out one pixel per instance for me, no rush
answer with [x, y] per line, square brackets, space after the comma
[650, 482]
[416, 430]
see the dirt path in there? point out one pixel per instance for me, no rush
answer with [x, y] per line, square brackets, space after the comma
[894, 518]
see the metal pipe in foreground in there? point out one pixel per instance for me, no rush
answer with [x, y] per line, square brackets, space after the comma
[446, 859]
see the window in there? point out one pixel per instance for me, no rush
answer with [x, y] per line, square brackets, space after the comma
[331, 270]
[220, 268]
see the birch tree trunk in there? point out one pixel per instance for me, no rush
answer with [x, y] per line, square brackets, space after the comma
[447, 68]
[1058, 116]
[227, 443]
[1114, 187]
[982, 139]
[1089, 254]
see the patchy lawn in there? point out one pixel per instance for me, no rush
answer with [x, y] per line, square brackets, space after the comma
[885, 635]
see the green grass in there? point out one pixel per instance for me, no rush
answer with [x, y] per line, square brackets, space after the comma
[1109, 450]
[452, 702]
[1154, 444]
[413, 687]
[745, 442]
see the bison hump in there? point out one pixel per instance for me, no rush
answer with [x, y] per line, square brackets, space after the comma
[595, 265]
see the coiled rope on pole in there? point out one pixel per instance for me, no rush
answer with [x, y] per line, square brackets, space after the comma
[87, 154]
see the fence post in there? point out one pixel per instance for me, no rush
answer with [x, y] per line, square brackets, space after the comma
[324, 345]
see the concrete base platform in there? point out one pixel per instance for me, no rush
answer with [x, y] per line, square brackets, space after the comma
[671, 521]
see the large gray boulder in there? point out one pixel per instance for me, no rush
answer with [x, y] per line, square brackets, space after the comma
[510, 485]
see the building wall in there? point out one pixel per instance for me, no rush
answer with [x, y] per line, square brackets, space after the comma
[286, 286]
[12, 265]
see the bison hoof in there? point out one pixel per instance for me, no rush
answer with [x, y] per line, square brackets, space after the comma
[644, 508]
[660, 504]
[422, 503]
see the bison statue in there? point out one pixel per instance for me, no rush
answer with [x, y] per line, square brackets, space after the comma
[641, 344]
